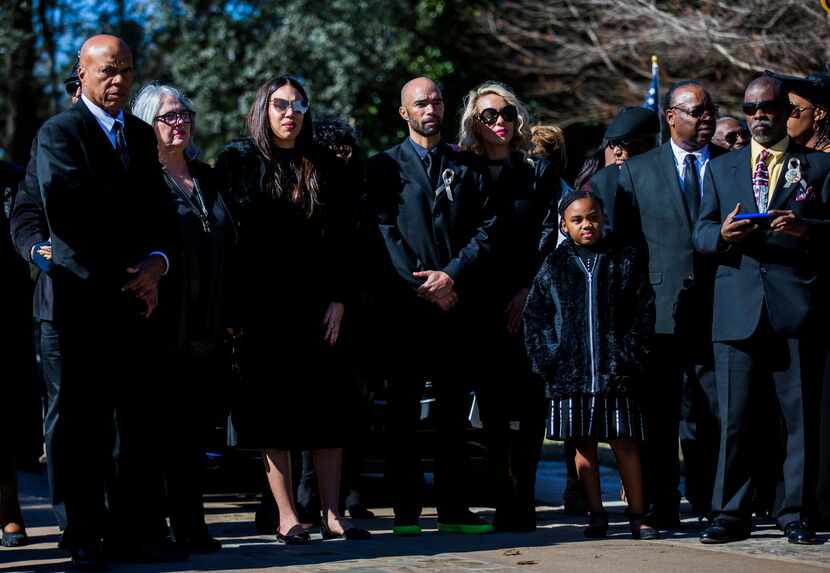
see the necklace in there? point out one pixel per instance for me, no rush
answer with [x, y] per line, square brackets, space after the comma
[194, 199]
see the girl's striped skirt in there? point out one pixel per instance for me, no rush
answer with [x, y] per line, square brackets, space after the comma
[597, 417]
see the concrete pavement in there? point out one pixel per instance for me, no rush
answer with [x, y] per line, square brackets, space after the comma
[557, 545]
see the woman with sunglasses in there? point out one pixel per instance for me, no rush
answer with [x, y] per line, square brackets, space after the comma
[190, 316]
[288, 289]
[496, 126]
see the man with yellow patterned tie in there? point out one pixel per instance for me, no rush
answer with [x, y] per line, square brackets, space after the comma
[765, 305]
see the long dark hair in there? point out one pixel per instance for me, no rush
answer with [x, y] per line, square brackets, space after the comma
[591, 166]
[302, 185]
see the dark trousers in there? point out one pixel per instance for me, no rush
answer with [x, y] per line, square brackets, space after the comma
[699, 434]
[9, 504]
[102, 443]
[744, 370]
[823, 446]
[661, 397]
[513, 409]
[50, 372]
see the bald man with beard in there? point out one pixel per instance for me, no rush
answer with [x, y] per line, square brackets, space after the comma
[437, 223]
[110, 224]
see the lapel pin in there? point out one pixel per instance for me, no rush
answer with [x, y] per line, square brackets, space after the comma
[448, 176]
[793, 174]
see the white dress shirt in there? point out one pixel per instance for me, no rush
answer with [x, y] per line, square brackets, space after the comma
[701, 161]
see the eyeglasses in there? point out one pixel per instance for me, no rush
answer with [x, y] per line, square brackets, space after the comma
[733, 136]
[698, 111]
[797, 110]
[297, 105]
[171, 118]
[491, 115]
[768, 106]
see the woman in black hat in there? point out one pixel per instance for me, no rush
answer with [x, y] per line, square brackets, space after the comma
[809, 123]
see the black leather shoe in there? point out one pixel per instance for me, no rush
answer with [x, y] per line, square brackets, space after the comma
[88, 558]
[723, 531]
[201, 544]
[597, 525]
[659, 520]
[640, 529]
[799, 533]
[295, 536]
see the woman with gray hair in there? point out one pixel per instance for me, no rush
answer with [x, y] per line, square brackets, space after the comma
[190, 316]
[496, 126]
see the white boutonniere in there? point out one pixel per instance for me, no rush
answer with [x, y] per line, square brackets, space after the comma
[448, 176]
[793, 174]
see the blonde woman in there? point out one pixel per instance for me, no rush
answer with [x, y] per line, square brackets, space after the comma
[496, 126]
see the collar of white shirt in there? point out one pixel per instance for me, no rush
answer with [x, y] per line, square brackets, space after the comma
[701, 155]
[105, 120]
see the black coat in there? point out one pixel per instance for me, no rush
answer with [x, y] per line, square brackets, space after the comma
[425, 231]
[193, 294]
[590, 336]
[102, 218]
[765, 270]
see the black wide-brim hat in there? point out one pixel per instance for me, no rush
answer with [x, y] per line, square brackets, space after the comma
[631, 122]
[72, 80]
[815, 87]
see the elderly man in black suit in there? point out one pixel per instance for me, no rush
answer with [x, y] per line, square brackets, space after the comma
[436, 222]
[655, 204]
[765, 305]
[110, 222]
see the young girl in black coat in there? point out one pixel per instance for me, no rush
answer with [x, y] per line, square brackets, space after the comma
[588, 321]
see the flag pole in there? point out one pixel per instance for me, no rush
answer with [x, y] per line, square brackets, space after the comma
[655, 74]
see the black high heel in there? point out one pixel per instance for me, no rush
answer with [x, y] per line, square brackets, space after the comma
[597, 525]
[351, 534]
[640, 529]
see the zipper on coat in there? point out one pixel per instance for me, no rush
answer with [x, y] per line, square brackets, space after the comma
[591, 350]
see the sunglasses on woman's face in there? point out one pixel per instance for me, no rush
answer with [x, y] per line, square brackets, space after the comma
[491, 115]
[298, 105]
[798, 110]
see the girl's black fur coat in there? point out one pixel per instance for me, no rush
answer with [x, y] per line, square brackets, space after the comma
[557, 330]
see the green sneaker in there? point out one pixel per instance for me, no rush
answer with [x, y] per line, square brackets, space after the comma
[406, 529]
[479, 528]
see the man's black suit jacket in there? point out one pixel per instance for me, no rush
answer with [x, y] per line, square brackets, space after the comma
[648, 207]
[766, 269]
[102, 217]
[423, 230]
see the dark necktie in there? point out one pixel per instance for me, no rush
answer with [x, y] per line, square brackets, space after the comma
[431, 163]
[691, 185]
[121, 144]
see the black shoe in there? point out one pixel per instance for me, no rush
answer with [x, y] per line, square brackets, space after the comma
[358, 511]
[88, 558]
[597, 525]
[201, 544]
[465, 522]
[799, 533]
[350, 534]
[299, 537]
[661, 520]
[16, 539]
[512, 522]
[723, 531]
[640, 529]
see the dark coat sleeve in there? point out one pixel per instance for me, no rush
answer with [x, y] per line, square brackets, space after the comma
[640, 336]
[706, 236]
[28, 220]
[542, 324]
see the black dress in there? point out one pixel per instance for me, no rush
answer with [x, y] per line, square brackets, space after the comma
[287, 268]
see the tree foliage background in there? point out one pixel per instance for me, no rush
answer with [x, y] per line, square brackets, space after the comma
[575, 61]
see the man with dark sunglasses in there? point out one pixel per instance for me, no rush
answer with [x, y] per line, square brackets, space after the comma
[657, 199]
[765, 306]
[730, 133]
[437, 223]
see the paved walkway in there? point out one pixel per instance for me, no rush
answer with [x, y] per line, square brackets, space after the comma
[558, 545]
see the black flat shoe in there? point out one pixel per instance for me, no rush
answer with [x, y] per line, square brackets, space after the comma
[597, 525]
[351, 534]
[302, 538]
[88, 558]
[640, 529]
[723, 531]
[799, 533]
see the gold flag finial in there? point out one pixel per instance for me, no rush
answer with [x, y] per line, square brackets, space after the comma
[654, 60]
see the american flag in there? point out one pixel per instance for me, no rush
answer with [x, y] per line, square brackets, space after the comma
[652, 100]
